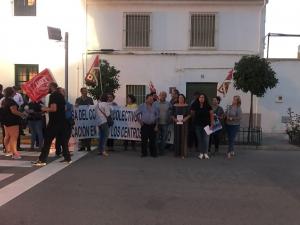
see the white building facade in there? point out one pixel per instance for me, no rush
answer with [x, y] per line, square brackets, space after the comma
[187, 44]
[190, 45]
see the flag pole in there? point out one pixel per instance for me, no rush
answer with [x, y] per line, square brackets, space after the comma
[100, 78]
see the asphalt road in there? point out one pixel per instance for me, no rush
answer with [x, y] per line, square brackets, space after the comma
[256, 188]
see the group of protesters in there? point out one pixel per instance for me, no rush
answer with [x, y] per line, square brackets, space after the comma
[15, 110]
[189, 121]
[155, 115]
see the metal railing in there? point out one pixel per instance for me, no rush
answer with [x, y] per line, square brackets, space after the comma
[242, 138]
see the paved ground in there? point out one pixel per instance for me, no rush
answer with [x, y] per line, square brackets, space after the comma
[257, 187]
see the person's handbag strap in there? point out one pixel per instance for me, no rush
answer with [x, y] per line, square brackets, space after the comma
[102, 112]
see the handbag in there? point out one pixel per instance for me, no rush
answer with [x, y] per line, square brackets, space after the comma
[110, 121]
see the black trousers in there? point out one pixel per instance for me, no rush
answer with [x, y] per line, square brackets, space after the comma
[215, 137]
[148, 133]
[85, 143]
[62, 142]
[56, 130]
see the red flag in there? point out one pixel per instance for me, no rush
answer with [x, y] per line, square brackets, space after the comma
[225, 85]
[91, 76]
[38, 86]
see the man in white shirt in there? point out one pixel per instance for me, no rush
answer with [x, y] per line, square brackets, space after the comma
[18, 97]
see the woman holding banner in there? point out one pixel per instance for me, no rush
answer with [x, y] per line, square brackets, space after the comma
[180, 117]
[103, 111]
[218, 116]
[131, 104]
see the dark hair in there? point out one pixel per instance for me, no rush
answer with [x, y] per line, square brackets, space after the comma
[176, 91]
[81, 89]
[1, 87]
[103, 97]
[183, 97]
[53, 84]
[206, 102]
[111, 95]
[16, 88]
[9, 92]
[132, 97]
[148, 95]
[218, 99]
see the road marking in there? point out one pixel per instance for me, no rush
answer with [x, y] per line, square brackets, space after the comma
[15, 163]
[3, 176]
[25, 183]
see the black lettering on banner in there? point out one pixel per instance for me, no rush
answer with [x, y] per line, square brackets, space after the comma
[75, 115]
[92, 114]
[93, 131]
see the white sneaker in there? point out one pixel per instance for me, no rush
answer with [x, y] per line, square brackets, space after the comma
[200, 156]
[206, 156]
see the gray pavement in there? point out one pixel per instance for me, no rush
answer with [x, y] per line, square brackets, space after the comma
[257, 187]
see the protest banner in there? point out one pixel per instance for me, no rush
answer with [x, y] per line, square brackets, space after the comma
[126, 126]
[86, 122]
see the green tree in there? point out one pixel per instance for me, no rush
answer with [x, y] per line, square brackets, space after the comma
[108, 82]
[255, 75]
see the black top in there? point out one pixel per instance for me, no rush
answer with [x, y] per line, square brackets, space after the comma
[180, 110]
[86, 101]
[59, 115]
[35, 110]
[10, 119]
[202, 115]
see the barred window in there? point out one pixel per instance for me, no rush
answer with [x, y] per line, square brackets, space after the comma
[25, 7]
[24, 72]
[137, 30]
[139, 91]
[203, 26]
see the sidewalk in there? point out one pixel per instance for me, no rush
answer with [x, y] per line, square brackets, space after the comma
[270, 141]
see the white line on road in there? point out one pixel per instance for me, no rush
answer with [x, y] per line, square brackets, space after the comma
[25, 183]
[15, 163]
[5, 175]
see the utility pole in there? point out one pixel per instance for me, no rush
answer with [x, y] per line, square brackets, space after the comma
[55, 34]
[67, 64]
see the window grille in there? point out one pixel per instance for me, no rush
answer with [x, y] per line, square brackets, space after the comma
[24, 7]
[203, 28]
[24, 72]
[137, 30]
[139, 91]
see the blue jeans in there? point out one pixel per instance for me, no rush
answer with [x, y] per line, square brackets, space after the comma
[202, 139]
[103, 135]
[36, 129]
[162, 136]
[231, 133]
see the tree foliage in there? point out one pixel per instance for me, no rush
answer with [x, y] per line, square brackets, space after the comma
[109, 79]
[255, 75]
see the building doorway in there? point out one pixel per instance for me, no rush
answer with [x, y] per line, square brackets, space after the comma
[209, 88]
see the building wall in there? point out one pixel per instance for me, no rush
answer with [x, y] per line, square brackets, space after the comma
[170, 34]
[24, 40]
[288, 87]
[170, 25]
